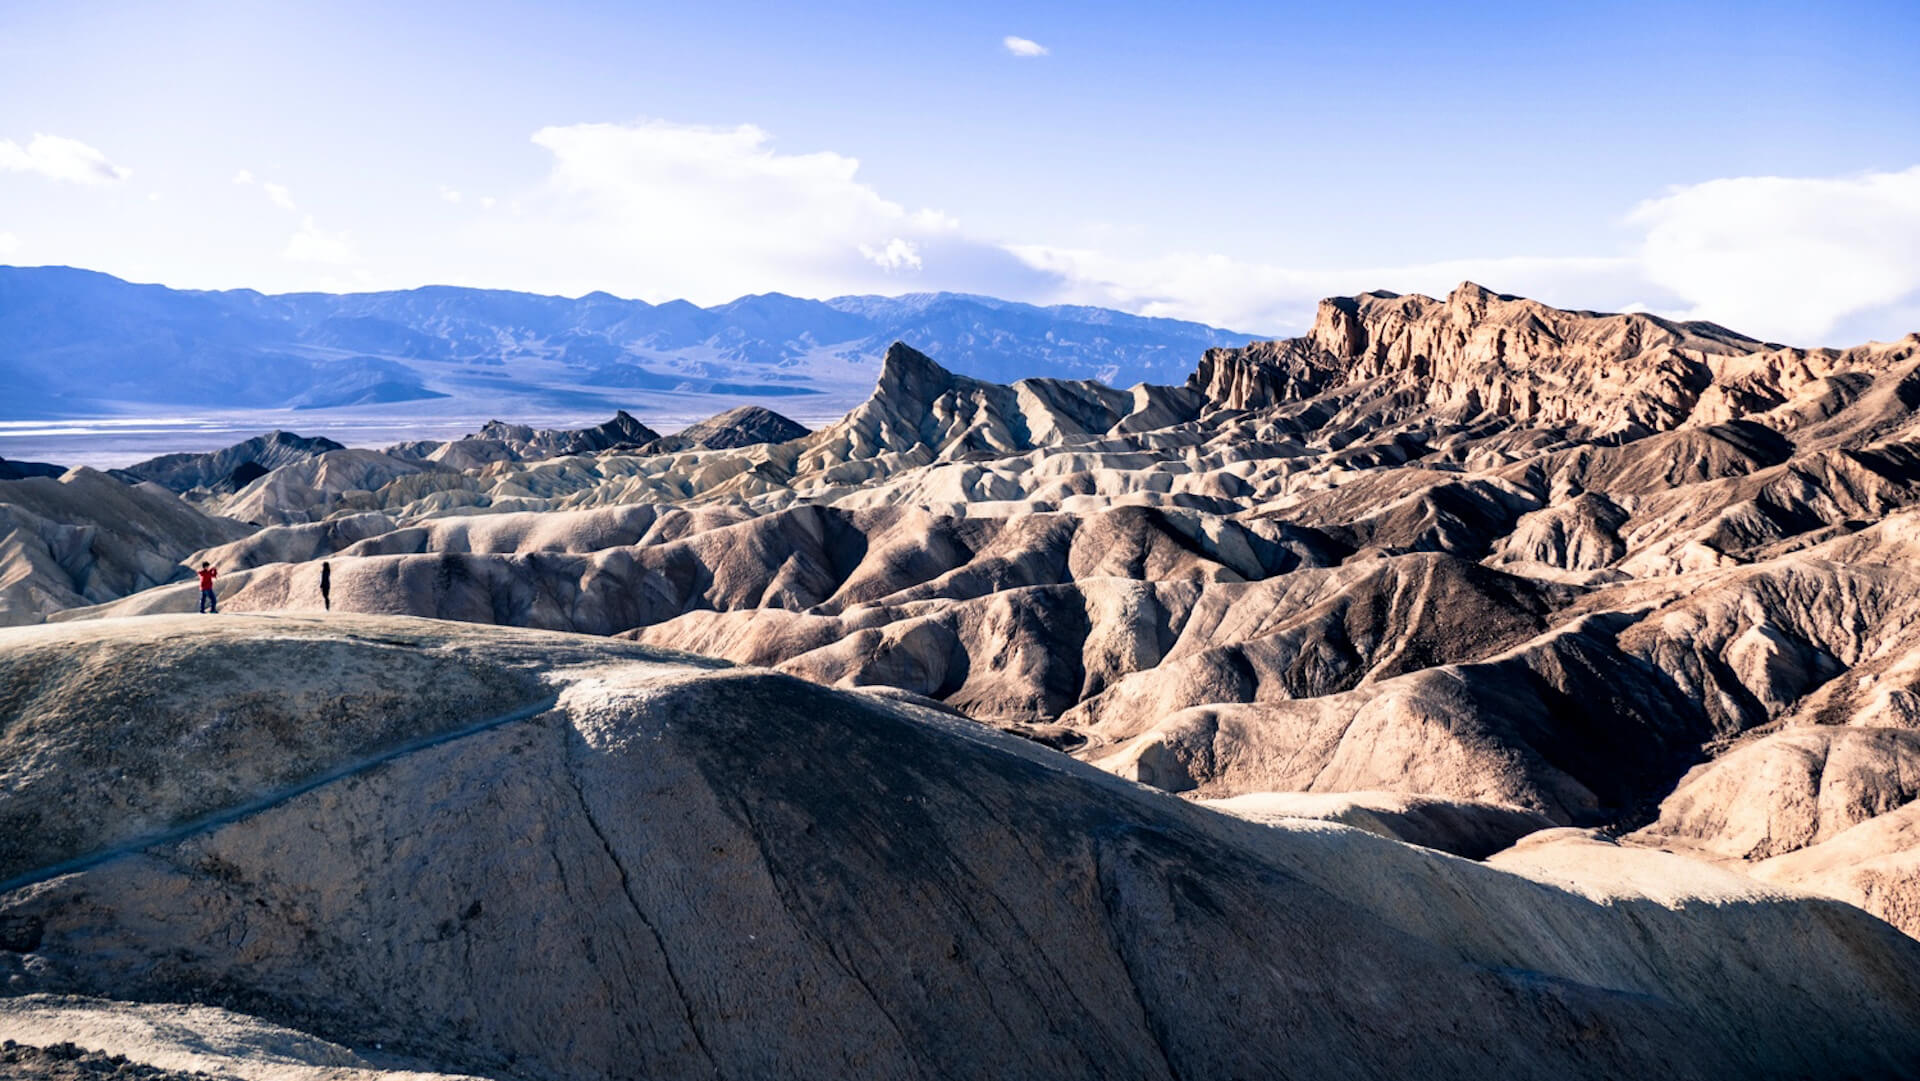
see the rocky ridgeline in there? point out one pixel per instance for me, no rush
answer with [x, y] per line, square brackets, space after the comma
[1478, 355]
[745, 426]
[229, 470]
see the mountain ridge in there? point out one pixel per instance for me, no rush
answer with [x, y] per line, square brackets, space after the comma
[1478, 355]
[79, 342]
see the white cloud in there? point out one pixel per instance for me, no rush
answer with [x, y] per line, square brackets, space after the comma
[662, 210]
[450, 195]
[1023, 47]
[9, 244]
[278, 193]
[897, 255]
[659, 210]
[60, 158]
[309, 243]
[312, 244]
[1260, 297]
[1807, 261]
[1786, 258]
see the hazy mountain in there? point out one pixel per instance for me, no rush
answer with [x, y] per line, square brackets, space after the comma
[75, 342]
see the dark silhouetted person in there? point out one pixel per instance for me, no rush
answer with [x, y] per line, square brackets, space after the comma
[326, 586]
[208, 602]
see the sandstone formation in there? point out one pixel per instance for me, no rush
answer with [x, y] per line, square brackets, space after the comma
[610, 861]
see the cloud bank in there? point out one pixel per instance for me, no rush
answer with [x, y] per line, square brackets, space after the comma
[1784, 257]
[1804, 261]
[663, 210]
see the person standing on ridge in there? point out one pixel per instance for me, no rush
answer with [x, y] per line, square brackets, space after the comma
[326, 586]
[208, 602]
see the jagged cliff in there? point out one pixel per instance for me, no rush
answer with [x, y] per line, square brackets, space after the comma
[1479, 355]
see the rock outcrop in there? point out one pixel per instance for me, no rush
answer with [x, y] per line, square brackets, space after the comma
[741, 427]
[622, 431]
[1479, 355]
[18, 470]
[315, 487]
[227, 471]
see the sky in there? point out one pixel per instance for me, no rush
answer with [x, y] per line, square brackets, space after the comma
[1754, 164]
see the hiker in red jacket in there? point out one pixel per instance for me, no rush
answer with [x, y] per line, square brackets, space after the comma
[208, 602]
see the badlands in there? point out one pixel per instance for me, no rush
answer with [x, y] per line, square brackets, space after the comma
[1467, 688]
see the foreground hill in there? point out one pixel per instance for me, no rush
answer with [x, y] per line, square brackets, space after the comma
[417, 845]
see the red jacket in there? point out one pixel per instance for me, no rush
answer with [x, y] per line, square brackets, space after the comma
[206, 578]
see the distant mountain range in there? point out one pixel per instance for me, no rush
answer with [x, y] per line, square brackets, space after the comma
[80, 343]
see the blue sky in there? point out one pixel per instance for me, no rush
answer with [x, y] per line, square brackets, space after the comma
[1751, 163]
